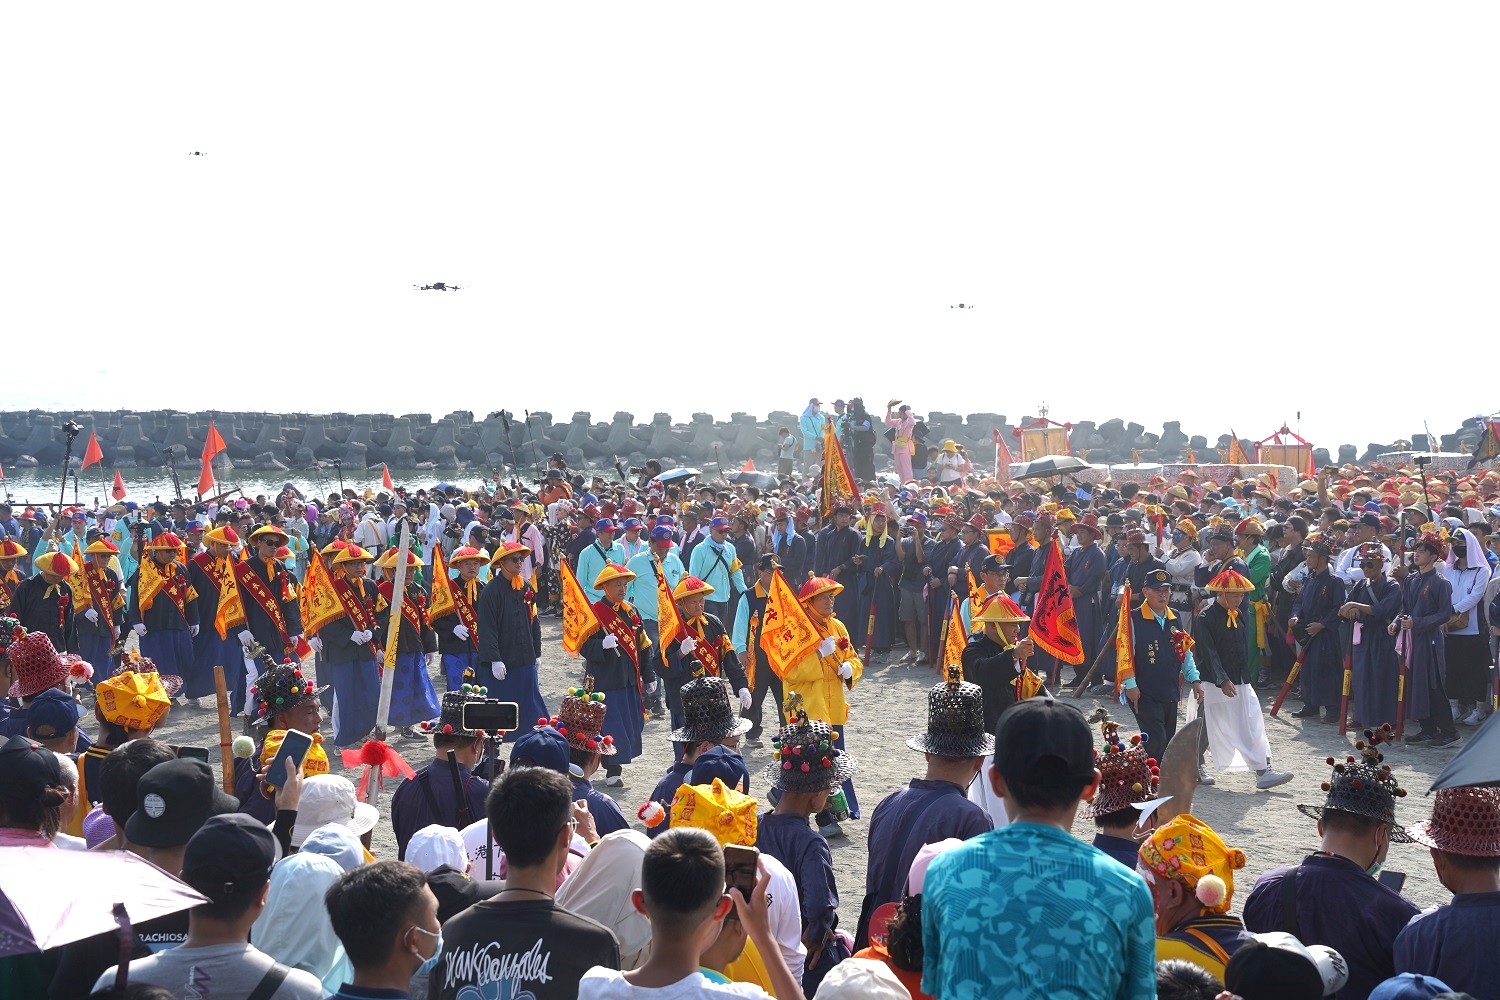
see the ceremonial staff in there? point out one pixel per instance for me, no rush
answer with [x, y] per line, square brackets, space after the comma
[536, 460]
[1291, 678]
[1348, 677]
[505, 419]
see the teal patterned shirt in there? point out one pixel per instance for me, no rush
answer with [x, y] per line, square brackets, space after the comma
[1029, 911]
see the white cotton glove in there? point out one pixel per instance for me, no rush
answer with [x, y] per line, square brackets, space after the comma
[827, 646]
[316, 644]
[193, 631]
[360, 638]
[687, 645]
[92, 616]
[246, 638]
[610, 642]
[498, 669]
[745, 699]
[538, 663]
[846, 671]
[651, 688]
[139, 628]
[461, 630]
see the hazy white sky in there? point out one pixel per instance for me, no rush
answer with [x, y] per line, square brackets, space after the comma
[723, 207]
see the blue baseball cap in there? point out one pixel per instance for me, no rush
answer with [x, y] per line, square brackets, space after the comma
[545, 747]
[1409, 986]
[52, 714]
[604, 524]
[662, 533]
[629, 524]
[722, 763]
[666, 519]
[718, 522]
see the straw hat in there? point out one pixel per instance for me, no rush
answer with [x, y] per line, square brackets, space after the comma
[690, 585]
[613, 571]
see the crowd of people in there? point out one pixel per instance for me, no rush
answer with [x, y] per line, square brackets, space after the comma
[1365, 594]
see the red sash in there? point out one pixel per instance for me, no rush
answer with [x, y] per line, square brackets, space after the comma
[356, 606]
[176, 587]
[707, 653]
[412, 606]
[617, 625]
[465, 610]
[102, 587]
[260, 592]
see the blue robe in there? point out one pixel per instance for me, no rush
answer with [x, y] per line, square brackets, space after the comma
[1323, 667]
[836, 550]
[209, 650]
[1375, 663]
[1428, 598]
[1085, 569]
[881, 589]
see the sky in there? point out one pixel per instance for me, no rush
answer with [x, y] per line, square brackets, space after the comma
[1219, 214]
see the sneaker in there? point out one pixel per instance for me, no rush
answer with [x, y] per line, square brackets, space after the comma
[1306, 712]
[920, 660]
[908, 658]
[830, 830]
[1103, 687]
[1416, 738]
[1443, 740]
[615, 781]
[1204, 778]
[1330, 718]
[1270, 779]
[1474, 718]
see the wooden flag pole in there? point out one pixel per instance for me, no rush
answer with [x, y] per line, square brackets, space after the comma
[226, 744]
[393, 634]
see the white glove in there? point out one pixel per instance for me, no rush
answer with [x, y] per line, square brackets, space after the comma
[246, 638]
[827, 646]
[538, 663]
[688, 645]
[651, 688]
[610, 642]
[846, 671]
[498, 669]
[745, 699]
[359, 638]
[316, 644]
[139, 628]
[461, 630]
[92, 616]
[193, 631]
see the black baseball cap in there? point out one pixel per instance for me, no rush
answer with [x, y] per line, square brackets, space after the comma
[27, 767]
[1044, 738]
[229, 855]
[1157, 579]
[53, 714]
[173, 800]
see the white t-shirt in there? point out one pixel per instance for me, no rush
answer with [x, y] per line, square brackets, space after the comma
[221, 970]
[600, 983]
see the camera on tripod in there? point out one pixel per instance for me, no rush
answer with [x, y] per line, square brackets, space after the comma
[72, 429]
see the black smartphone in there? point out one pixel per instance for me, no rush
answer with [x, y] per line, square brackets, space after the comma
[294, 747]
[741, 868]
[492, 716]
[193, 753]
[1392, 880]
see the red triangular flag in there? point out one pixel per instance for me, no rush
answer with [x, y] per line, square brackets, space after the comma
[2, 471]
[118, 491]
[206, 479]
[213, 444]
[93, 454]
[749, 466]
[385, 478]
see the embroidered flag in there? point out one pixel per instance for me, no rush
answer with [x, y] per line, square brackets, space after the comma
[319, 601]
[786, 634]
[231, 613]
[83, 596]
[1002, 458]
[838, 478]
[669, 621]
[998, 541]
[442, 588]
[93, 454]
[1053, 625]
[1236, 453]
[957, 638]
[1125, 641]
[579, 621]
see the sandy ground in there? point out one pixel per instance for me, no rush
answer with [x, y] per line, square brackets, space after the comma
[891, 703]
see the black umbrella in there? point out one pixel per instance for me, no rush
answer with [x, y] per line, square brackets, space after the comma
[678, 475]
[1478, 763]
[1051, 465]
[760, 480]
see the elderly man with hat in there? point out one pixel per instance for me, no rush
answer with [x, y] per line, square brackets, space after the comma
[790, 548]
[212, 574]
[1373, 604]
[457, 628]
[1127, 798]
[1332, 897]
[749, 620]
[599, 552]
[1190, 871]
[660, 559]
[878, 562]
[268, 594]
[413, 698]
[1162, 657]
[1231, 710]
[346, 646]
[933, 807]
[711, 719]
[833, 558]
[715, 561]
[703, 649]
[618, 661]
[510, 636]
[44, 602]
[12, 555]
[431, 796]
[1455, 942]
[1086, 569]
[163, 611]
[103, 611]
[1315, 624]
[822, 675]
[1364, 530]
[1426, 606]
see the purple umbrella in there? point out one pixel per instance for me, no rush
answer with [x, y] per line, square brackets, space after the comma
[49, 897]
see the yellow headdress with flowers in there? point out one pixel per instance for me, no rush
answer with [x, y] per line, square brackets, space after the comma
[1188, 850]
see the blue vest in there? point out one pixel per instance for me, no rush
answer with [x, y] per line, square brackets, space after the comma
[1158, 670]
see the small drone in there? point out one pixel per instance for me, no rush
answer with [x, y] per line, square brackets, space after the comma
[437, 286]
[196, 153]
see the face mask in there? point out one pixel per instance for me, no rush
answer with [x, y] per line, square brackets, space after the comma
[437, 951]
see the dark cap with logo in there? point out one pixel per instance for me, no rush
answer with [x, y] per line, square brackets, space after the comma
[174, 799]
[1044, 738]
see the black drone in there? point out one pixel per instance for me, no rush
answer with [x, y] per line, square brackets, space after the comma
[436, 286]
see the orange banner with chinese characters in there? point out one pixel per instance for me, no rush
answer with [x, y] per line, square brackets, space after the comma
[83, 597]
[1053, 625]
[320, 603]
[998, 541]
[579, 621]
[838, 478]
[1125, 641]
[668, 620]
[786, 634]
[956, 640]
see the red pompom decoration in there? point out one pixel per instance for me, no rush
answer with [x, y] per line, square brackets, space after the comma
[591, 744]
[544, 721]
[1135, 739]
[562, 730]
[609, 741]
[805, 767]
[447, 727]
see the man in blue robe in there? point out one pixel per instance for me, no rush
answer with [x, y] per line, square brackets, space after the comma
[1315, 624]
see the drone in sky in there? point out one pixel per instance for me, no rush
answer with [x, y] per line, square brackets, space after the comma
[437, 286]
[196, 153]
